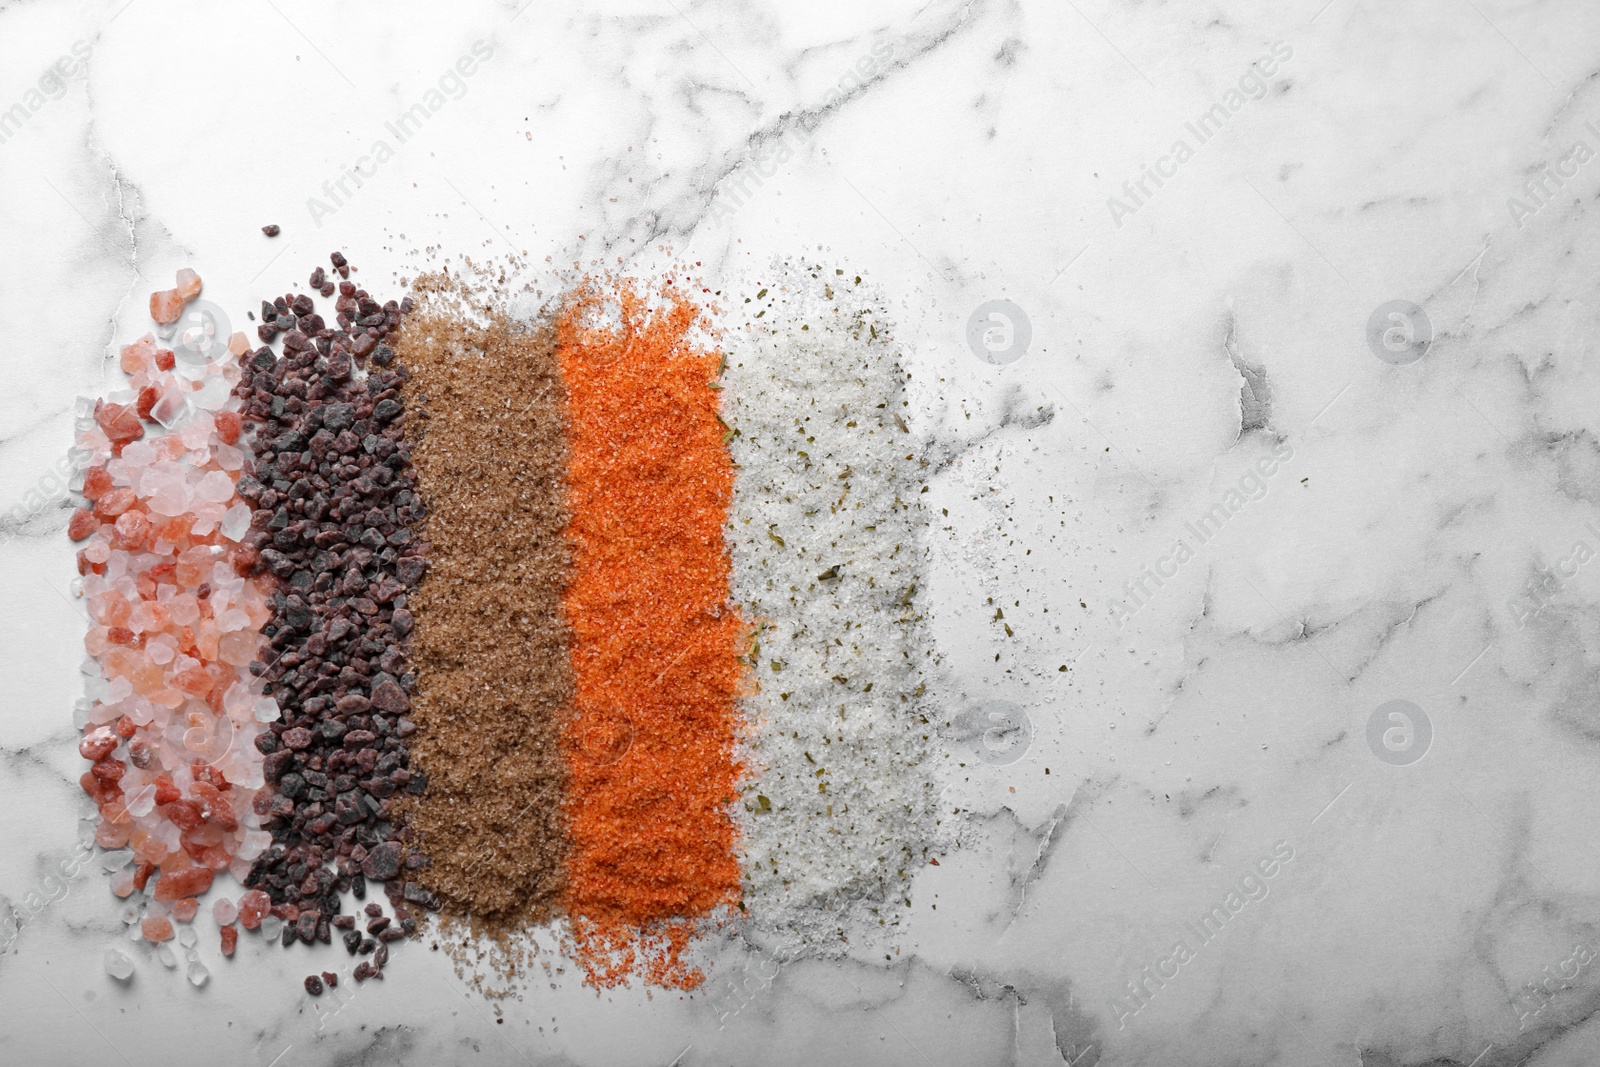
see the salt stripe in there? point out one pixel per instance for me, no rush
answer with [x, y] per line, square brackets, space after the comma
[825, 540]
[650, 742]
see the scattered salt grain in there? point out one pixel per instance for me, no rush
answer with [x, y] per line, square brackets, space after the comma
[119, 964]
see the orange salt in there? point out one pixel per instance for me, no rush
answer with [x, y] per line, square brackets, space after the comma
[650, 738]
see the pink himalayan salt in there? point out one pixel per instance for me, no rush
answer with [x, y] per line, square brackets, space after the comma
[253, 907]
[187, 882]
[156, 928]
[111, 835]
[166, 306]
[184, 910]
[188, 284]
[230, 939]
[224, 911]
[138, 562]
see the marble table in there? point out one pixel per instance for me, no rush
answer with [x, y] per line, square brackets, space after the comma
[1254, 344]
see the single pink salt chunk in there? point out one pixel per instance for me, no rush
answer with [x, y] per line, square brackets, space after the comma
[166, 306]
[224, 911]
[138, 357]
[191, 881]
[156, 928]
[238, 344]
[188, 284]
[253, 906]
[185, 910]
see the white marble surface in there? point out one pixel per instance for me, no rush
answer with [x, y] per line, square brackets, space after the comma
[1176, 341]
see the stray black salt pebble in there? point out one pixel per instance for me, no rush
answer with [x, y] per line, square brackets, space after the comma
[330, 978]
[272, 230]
[313, 985]
[352, 942]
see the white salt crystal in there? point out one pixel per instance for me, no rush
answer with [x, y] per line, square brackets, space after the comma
[236, 523]
[119, 964]
[170, 408]
[111, 861]
[207, 516]
[212, 394]
[254, 844]
[215, 487]
[170, 497]
[229, 458]
[168, 958]
[187, 937]
[142, 802]
[198, 975]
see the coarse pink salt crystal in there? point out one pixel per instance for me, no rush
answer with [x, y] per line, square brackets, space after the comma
[156, 928]
[238, 344]
[253, 906]
[138, 357]
[166, 306]
[188, 284]
[122, 881]
[111, 835]
[224, 911]
[185, 910]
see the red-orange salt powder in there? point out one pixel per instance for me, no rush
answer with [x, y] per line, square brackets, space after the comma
[655, 641]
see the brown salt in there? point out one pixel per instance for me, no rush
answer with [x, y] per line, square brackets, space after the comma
[491, 644]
